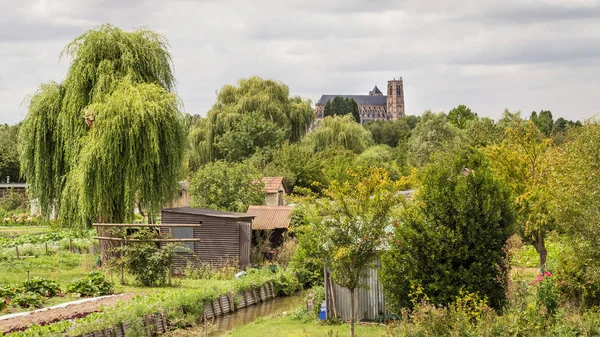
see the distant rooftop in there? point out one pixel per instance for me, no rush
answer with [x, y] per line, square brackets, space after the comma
[270, 217]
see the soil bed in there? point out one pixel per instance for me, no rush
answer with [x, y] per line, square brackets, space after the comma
[64, 311]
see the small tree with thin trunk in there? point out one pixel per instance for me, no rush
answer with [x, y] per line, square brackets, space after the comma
[350, 225]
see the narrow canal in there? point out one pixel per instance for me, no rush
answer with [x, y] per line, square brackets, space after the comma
[250, 314]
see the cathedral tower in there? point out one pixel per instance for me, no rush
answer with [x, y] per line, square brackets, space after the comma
[395, 98]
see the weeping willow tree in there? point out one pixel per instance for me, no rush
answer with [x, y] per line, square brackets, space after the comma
[110, 134]
[342, 132]
[246, 112]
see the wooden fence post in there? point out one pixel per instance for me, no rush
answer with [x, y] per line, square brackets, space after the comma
[17, 250]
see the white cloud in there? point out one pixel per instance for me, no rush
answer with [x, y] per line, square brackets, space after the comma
[524, 55]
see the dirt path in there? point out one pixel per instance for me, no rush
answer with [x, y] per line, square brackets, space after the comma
[69, 310]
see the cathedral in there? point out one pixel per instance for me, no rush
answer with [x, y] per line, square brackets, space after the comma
[375, 105]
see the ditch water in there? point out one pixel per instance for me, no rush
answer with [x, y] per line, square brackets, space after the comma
[250, 314]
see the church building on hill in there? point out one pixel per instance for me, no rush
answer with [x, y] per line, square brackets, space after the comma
[375, 105]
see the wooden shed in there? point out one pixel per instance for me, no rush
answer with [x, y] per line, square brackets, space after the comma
[222, 235]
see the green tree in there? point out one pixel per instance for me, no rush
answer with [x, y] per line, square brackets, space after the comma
[389, 132]
[341, 106]
[339, 131]
[380, 156]
[299, 165]
[481, 132]
[522, 160]
[348, 226]
[266, 100]
[432, 134]
[452, 237]
[9, 154]
[250, 133]
[227, 187]
[460, 115]
[110, 134]
[543, 121]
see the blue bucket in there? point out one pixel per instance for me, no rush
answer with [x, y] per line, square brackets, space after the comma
[323, 312]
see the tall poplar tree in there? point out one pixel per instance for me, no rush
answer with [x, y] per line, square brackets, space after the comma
[110, 134]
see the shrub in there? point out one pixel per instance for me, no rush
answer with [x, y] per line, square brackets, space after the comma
[94, 284]
[148, 263]
[41, 286]
[28, 300]
[452, 237]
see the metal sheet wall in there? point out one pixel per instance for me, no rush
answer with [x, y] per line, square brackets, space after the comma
[220, 239]
[369, 302]
[245, 243]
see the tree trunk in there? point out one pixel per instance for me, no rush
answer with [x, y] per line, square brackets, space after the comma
[540, 246]
[351, 312]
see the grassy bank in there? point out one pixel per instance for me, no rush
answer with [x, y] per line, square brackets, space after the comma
[290, 327]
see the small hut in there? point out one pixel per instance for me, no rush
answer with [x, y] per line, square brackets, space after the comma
[275, 219]
[222, 235]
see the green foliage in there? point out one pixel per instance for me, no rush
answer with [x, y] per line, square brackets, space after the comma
[341, 132]
[86, 142]
[431, 135]
[543, 121]
[148, 263]
[9, 154]
[28, 300]
[94, 284]
[251, 132]
[452, 237]
[341, 106]
[481, 132]
[252, 112]
[349, 225]
[460, 115]
[546, 297]
[227, 187]
[12, 201]
[380, 156]
[298, 165]
[41, 286]
[390, 133]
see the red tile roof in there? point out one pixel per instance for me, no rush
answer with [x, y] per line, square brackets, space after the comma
[270, 217]
[272, 184]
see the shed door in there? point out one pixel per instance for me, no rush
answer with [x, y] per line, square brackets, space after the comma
[245, 241]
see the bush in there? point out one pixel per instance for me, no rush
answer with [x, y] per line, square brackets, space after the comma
[94, 284]
[452, 237]
[148, 263]
[41, 286]
[28, 300]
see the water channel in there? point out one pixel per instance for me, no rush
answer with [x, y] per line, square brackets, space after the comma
[249, 314]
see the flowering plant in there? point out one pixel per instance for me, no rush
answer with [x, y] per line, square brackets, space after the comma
[540, 277]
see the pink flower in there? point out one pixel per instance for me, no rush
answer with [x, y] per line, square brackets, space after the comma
[540, 277]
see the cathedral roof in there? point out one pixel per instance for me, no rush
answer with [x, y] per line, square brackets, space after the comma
[360, 99]
[375, 91]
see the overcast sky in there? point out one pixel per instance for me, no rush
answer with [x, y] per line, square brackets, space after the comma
[490, 55]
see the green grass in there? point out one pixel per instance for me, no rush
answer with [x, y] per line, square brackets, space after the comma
[527, 256]
[14, 230]
[290, 327]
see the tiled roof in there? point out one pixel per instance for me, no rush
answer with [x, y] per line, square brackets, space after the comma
[270, 217]
[360, 99]
[272, 184]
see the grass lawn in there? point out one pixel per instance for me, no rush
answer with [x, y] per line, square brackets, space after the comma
[20, 230]
[290, 327]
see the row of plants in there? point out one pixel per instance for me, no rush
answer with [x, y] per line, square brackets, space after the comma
[8, 240]
[183, 307]
[32, 293]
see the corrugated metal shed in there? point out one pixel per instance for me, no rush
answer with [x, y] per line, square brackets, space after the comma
[223, 235]
[270, 217]
[369, 302]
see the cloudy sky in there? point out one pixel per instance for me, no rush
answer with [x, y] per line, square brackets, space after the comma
[518, 54]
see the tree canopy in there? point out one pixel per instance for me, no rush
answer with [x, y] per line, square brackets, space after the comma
[341, 106]
[460, 115]
[227, 187]
[110, 134]
[256, 113]
[339, 131]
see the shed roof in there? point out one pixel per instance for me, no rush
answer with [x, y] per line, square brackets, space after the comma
[272, 184]
[360, 99]
[270, 217]
[207, 212]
